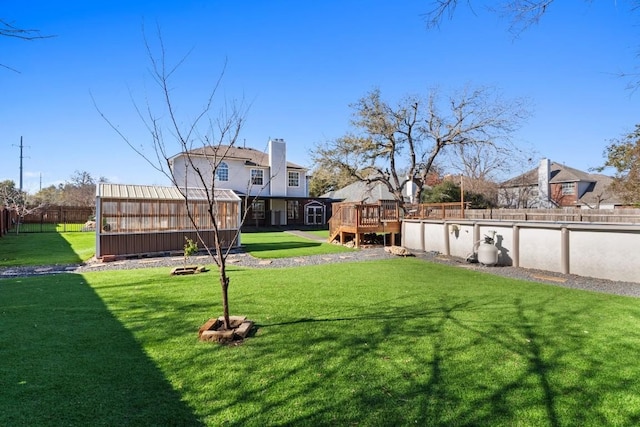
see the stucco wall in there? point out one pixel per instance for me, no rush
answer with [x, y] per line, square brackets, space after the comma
[605, 251]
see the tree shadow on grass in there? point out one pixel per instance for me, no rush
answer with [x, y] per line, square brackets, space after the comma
[278, 246]
[67, 361]
[531, 362]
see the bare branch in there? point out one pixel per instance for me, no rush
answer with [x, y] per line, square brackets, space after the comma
[522, 13]
[8, 29]
[440, 9]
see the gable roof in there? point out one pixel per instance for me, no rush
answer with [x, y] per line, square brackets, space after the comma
[361, 191]
[154, 192]
[250, 156]
[559, 173]
[599, 192]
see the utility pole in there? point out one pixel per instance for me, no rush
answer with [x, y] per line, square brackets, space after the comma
[21, 163]
[21, 157]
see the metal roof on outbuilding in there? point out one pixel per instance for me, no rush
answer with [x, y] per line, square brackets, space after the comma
[154, 192]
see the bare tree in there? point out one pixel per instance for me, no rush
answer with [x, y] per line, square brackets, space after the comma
[215, 128]
[482, 166]
[398, 145]
[17, 201]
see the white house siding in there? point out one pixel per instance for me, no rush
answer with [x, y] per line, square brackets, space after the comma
[301, 189]
[239, 175]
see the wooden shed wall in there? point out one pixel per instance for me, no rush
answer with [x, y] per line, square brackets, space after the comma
[157, 242]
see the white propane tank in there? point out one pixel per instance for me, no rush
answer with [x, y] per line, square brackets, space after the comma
[488, 254]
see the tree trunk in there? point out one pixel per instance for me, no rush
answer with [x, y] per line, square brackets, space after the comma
[224, 285]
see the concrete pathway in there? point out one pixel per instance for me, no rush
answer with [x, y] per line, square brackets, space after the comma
[306, 235]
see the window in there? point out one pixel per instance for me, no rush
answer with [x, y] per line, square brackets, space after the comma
[257, 176]
[222, 172]
[257, 209]
[294, 179]
[314, 215]
[568, 188]
[293, 209]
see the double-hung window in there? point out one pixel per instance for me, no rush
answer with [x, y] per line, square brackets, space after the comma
[294, 179]
[257, 177]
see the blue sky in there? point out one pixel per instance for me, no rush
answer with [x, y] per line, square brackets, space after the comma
[299, 64]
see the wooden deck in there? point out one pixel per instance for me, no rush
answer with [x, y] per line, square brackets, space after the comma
[354, 220]
[351, 221]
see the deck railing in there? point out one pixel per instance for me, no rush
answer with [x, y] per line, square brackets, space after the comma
[363, 217]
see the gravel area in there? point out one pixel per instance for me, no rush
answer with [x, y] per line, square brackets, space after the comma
[364, 254]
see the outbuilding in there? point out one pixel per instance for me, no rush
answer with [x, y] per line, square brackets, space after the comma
[141, 220]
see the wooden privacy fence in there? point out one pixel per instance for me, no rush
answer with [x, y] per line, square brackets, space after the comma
[457, 210]
[453, 210]
[631, 216]
[5, 220]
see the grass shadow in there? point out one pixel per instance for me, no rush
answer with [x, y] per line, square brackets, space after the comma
[66, 360]
[279, 246]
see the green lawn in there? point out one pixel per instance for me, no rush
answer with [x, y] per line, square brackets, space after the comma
[394, 342]
[75, 247]
[280, 244]
[46, 248]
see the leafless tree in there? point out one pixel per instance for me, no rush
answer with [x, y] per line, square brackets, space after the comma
[483, 165]
[399, 144]
[216, 127]
[18, 202]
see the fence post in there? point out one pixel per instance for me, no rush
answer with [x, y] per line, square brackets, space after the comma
[447, 249]
[564, 250]
[515, 252]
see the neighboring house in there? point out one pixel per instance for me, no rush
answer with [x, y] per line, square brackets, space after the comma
[361, 192]
[277, 189]
[365, 192]
[556, 185]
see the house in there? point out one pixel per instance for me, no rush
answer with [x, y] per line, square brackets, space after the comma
[276, 189]
[556, 185]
